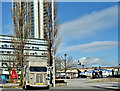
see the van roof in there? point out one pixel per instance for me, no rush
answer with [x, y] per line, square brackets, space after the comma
[36, 59]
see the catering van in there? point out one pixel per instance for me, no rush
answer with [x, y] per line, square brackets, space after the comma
[36, 73]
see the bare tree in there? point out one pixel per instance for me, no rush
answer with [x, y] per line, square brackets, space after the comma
[70, 63]
[60, 63]
[21, 24]
[48, 32]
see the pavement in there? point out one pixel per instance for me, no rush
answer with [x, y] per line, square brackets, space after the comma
[0, 87]
[75, 85]
[82, 84]
[7, 84]
[10, 84]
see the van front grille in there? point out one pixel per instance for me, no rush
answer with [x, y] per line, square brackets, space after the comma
[39, 78]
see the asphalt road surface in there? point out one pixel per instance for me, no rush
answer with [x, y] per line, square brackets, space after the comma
[62, 89]
[76, 85]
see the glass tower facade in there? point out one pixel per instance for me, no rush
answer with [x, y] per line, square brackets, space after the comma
[37, 17]
[32, 20]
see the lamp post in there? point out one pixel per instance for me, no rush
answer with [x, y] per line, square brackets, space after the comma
[53, 54]
[79, 64]
[65, 64]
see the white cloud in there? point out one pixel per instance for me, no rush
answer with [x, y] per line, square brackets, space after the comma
[86, 27]
[92, 47]
[93, 61]
[89, 60]
[89, 24]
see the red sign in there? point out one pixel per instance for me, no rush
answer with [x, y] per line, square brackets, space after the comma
[13, 75]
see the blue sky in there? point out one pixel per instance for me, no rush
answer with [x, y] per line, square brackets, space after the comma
[89, 31]
[6, 18]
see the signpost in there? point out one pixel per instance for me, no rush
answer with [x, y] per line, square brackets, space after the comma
[0, 71]
[14, 75]
[0, 76]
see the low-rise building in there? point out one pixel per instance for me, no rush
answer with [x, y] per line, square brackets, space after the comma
[73, 72]
[34, 48]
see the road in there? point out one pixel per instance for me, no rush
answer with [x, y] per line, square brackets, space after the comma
[77, 85]
[81, 84]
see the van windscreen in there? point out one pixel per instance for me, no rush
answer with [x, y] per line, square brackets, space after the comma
[38, 69]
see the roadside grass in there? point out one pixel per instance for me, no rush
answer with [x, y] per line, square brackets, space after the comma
[105, 80]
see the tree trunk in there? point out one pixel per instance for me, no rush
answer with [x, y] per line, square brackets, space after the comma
[17, 76]
[21, 78]
[9, 76]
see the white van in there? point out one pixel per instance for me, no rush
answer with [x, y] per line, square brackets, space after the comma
[36, 73]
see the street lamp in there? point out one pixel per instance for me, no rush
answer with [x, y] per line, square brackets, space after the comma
[83, 65]
[65, 64]
[79, 63]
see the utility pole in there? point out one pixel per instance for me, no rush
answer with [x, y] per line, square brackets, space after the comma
[53, 54]
[65, 64]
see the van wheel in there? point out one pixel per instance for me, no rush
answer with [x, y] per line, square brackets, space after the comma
[23, 87]
[26, 87]
[48, 87]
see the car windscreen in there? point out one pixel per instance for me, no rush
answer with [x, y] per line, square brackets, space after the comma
[38, 69]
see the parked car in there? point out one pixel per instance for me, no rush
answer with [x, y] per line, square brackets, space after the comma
[105, 73]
